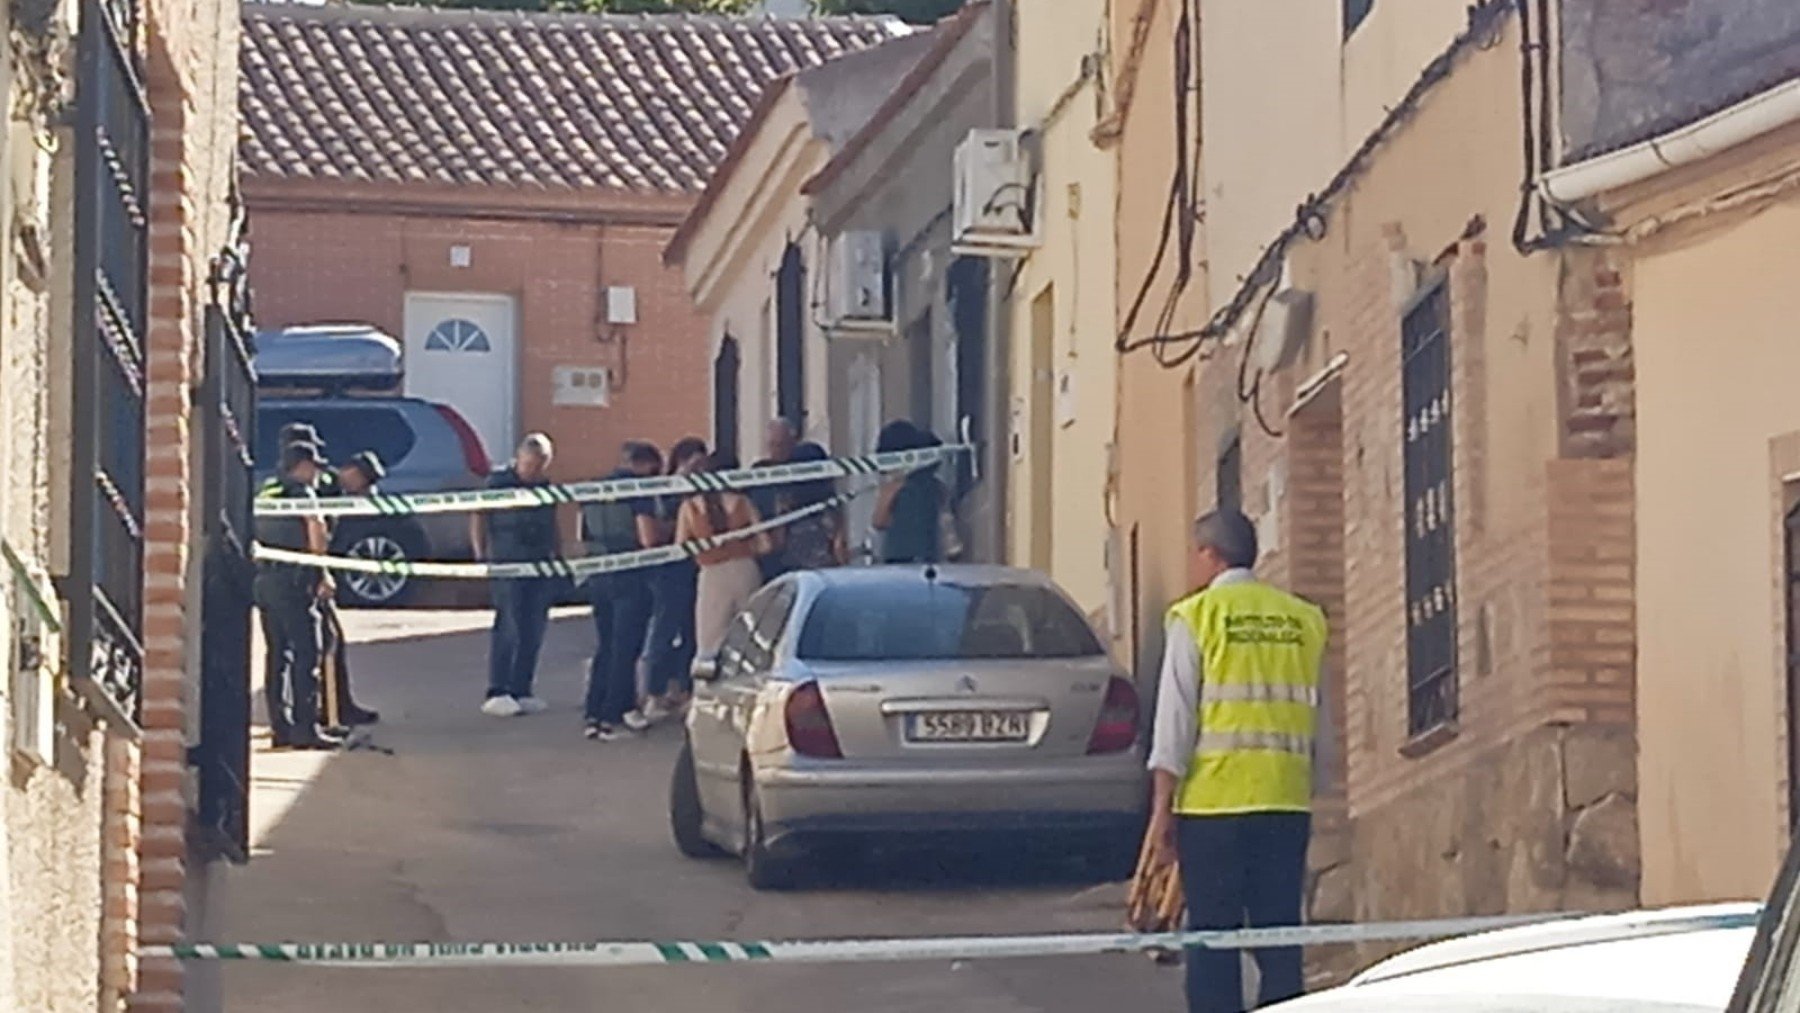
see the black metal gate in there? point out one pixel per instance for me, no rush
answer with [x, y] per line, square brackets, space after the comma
[227, 415]
[1432, 682]
[106, 550]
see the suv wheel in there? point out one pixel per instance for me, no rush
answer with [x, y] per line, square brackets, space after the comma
[372, 590]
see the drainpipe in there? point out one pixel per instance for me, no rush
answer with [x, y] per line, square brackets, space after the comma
[1749, 119]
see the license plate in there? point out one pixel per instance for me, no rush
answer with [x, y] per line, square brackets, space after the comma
[969, 726]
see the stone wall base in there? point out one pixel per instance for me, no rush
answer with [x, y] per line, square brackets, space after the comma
[1545, 822]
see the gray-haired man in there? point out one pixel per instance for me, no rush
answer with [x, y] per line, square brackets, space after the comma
[521, 605]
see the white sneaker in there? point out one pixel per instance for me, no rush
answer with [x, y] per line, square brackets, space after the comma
[655, 710]
[532, 705]
[502, 707]
[636, 721]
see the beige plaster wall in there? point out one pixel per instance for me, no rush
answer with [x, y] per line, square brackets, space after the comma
[1714, 336]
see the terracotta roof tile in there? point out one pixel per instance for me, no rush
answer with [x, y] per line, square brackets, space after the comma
[381, 94]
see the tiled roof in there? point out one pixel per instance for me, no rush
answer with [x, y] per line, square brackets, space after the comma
[398, 95]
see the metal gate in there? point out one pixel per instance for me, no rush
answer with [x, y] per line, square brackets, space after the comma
[227, 415]
[106, 545]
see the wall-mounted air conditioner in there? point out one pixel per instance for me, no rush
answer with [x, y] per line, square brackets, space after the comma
[996, 195]
[860, 292]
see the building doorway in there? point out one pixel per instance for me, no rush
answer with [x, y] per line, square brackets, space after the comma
[1042, 446]
[1791, 571]
[462, 350]
[725, 396]
[790, 338]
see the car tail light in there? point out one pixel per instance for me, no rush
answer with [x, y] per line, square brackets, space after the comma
[809, 728]
[473, 452]
[1117, 728]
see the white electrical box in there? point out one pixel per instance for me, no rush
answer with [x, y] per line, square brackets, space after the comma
[996, 196]
[858, 290]
[621, 304]
[581, 386]
[460, 256]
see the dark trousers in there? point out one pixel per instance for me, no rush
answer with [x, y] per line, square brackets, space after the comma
[521, 615]
[621, 619]
[335, 702]
[292, 635]
[1237, 871]
[669, 655]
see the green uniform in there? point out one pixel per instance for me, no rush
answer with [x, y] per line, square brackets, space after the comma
[291, 620]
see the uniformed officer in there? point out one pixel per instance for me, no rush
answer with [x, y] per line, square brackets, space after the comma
[1232, 759]
[357, 477]
[289, 598]
[336, 705]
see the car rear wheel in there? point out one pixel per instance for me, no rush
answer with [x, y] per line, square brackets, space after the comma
[685, 815]
[380, 590]
[765, 870]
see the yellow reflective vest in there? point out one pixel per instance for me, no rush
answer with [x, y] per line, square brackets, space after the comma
[1260, 649]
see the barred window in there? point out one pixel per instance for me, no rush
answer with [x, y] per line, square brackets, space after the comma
[1430, 514]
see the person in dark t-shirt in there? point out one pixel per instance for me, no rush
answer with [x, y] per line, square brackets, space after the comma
[621, 600]
[521, 605]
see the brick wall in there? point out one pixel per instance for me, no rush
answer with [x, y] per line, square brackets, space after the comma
[1598, 373]
[168, 485]
[302, 271]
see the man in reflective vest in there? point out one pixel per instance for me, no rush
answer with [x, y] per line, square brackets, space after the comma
[1231, 759]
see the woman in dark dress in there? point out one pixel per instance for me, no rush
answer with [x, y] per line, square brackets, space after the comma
[818, 541]
[669, 650]
[910, 509]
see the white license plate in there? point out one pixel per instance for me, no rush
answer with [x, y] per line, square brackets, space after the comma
[968, 726]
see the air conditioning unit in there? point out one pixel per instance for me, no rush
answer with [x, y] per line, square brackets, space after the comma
[1285, 326]
[996, 195]
[859, 297]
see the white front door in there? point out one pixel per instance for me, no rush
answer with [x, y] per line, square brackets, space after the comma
[462, 350]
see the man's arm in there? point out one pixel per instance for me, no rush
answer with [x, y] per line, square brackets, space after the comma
[478, 535]
[318, 541]
[1173, 733]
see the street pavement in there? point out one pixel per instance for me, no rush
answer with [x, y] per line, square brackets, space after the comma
[519, 830]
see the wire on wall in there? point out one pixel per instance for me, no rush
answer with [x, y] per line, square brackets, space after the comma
[1173, 349]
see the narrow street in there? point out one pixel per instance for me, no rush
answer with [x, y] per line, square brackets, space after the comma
[519, 830]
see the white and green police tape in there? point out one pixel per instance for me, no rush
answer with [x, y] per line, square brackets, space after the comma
[645, 954]
[576, 569]
[609, 490]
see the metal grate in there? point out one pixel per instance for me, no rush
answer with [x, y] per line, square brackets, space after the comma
[228, 424]
[1792, 544]
[1431, 696]
[106, 578]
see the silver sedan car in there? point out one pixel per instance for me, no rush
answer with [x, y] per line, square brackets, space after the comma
[906, 704]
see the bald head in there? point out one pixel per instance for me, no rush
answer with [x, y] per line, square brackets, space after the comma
[779, 439]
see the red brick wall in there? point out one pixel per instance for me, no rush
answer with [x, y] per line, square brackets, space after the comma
[309, 266]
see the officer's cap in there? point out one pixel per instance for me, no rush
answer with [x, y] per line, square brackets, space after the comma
[369, 463]
[295, 454]
[301, 432]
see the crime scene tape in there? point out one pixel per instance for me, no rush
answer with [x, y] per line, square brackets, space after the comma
[650, 954]
[577, 569]
[609, 490]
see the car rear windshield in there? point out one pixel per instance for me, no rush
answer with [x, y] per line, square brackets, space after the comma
[923, 621]
[345, 428]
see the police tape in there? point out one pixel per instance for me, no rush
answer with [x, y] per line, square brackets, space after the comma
[609, 490]
[649, 954]
[576, 569]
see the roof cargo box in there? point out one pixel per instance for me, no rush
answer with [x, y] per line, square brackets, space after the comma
[334, 358]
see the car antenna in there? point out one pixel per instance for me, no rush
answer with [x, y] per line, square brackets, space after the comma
[931, 573]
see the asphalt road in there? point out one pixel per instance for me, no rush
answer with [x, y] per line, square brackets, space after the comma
[520, 830]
